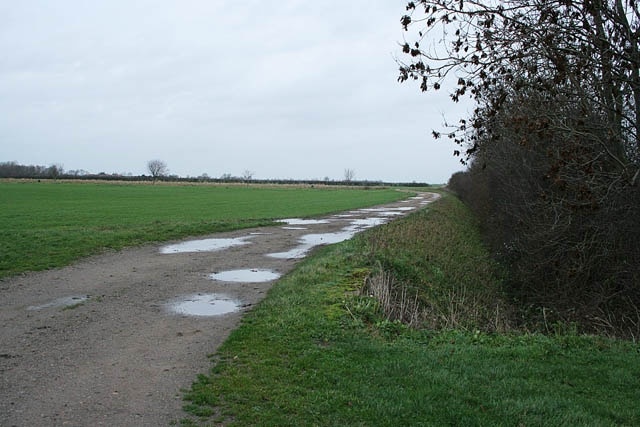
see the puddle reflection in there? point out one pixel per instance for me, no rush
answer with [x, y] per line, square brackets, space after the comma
[204, 305]
[309, 241]
[394, 213]
[204, 245]
[245, 276]
[298, 221]
[361, 224]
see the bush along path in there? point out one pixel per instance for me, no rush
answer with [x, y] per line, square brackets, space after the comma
[112, 339]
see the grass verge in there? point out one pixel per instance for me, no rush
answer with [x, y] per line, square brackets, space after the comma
[50, 224]
[318, 352]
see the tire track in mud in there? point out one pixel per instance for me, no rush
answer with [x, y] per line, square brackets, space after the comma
[112, 339]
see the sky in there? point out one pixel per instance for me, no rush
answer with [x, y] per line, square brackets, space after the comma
[283, 89]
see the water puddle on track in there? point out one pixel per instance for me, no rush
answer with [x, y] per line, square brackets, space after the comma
[385, 210]
[394, 213]
[298, 221]
[203, 305]
[204, 245]
[61, 302]
[253, 275]
[362, 224]
[375, 209]
[309, 241]
[402, 208]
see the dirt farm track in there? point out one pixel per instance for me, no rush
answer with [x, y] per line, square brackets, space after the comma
[113, 339]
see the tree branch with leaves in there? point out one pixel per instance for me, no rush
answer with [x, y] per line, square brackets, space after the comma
[489, 50]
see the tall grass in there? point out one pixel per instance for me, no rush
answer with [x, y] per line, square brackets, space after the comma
[435, 266]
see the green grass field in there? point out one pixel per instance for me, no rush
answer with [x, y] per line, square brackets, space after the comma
[318, 352]
[315, 353]
[49, 224]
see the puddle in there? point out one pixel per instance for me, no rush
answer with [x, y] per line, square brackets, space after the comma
[309, 241]
[295, 253]
[382, 210]
[204, 245]
[204, 305]
[246, 276]
[363, 223]
[61, 302]
[374, 209]
[298, 221]
[294, 228]
[394, 213]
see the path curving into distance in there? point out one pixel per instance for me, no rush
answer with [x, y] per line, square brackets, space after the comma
[111, 340]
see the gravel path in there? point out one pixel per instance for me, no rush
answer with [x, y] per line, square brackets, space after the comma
[112, 340]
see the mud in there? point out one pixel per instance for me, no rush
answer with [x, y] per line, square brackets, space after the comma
[106, 341]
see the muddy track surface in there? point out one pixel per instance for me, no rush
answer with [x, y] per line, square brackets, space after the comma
[113, 339]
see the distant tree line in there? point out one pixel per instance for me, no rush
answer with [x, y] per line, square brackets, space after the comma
[18, 171]
[553, 145]
[15, 170]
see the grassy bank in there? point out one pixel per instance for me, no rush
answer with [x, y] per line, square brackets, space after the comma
[50, 224]
[318, 351]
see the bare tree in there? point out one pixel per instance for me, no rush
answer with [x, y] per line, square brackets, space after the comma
[586, 51]
[349, 175]
[247, 175]
[157, 168]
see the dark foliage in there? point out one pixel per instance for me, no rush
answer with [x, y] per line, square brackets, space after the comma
[552, 146]
[558, 214]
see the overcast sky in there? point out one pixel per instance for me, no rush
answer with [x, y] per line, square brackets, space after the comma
[285, 89]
